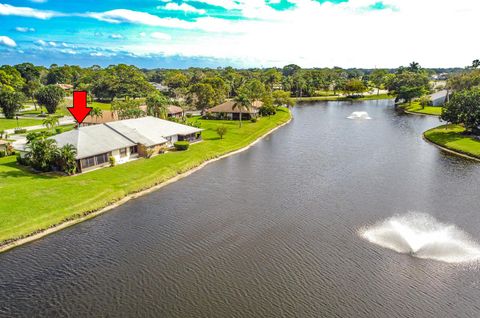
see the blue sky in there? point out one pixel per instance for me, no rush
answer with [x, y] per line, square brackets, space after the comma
[243, 33]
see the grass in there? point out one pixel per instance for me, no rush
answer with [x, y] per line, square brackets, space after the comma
[64, 128]
[452, 137]
[416, 108]
[22, 122]
[30, 202]
[342, 98]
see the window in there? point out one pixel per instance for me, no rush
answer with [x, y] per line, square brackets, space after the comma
[123, 152]
[88, 162]
[133, 150]
[101, 159]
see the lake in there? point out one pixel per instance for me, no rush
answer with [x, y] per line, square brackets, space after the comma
[271, 232]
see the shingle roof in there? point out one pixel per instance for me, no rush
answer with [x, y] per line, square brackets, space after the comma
[149, 130]
[93, 140]
[172, 109]
[228, 107]
[107, 116]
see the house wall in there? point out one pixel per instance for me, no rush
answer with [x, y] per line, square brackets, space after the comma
[119, 159]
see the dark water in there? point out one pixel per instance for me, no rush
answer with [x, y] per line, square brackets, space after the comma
[271, 232]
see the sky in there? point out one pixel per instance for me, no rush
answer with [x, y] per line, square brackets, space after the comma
[240, 33]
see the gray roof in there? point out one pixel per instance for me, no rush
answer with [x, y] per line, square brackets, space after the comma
[149, 130]
[93, 140]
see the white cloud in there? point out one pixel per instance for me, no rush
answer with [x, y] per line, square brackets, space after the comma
[38, 1]
[160, 36]
[6, 9]
[143, 34]
[69, 51]
[116, 36]
[24, 29]
[226, 4]
[41, 43]
[51, 43]
[173, 6]
[6, 41]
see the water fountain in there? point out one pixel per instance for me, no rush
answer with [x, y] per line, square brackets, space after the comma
[422, 236]
[359, 115]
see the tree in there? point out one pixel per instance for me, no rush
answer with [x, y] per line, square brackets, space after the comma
[50, 97]
[41, 153]
[378, 79]
[476, 64]
[66, 159]
[425, 101]
[127, 109]
[282, 98]
[254, 89]
[242, 102]
[10, 103]
[202, 96]
[407, 85]
[157, 105]
[30, 89]
[464, 108]
[222, 130]
[50, 122]
[96, 112]
[354, 86]
[271, 77]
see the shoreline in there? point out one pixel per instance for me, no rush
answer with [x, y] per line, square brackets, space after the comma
[451, 151]
[65, 224]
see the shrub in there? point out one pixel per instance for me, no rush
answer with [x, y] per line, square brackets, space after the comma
[253, 119]
[189, 115]
[58, 130]
[20, 130]
[222, 130]
[181, 145]
[267, 110]
[113, 161]
[2, 153]
[22, 161]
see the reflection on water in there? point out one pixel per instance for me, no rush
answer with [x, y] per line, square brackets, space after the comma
[270, 232]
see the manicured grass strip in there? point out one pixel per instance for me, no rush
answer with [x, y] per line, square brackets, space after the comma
[30, 202]
[428, 110]
[452, 137]
[12, 123]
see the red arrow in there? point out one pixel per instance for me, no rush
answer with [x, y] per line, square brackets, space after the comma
[79, 109]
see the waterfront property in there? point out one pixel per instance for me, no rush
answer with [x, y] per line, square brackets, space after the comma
[124, 140]
[172, 111]
[228, 110]
[61, 198]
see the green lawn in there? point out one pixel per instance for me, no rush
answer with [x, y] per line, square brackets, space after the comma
[30, 202]
[451, 137]
[428, 110]
[12, 123]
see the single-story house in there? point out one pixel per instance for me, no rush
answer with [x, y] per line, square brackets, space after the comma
[172, 110]
[107, 116]
[175, 111]
[96, 144]
[228, 110]
[123, 140]
[439, 98]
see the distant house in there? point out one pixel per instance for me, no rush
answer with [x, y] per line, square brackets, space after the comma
[172, 110]
[228, 110]
[439, 98]
[159, 87]
[124, 140]
[107, 117]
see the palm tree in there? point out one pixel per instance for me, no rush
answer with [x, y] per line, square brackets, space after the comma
[96, 112]
[67, 159]
[242, 101]
[50, 122]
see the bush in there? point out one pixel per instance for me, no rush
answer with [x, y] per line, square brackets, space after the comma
[2, 153]
[113, 161]
[22, 161]
[58, 130]
[267, 110]
[253, 119]
[20, 130]
[222, 130]
[189, 115]
[181, 145]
